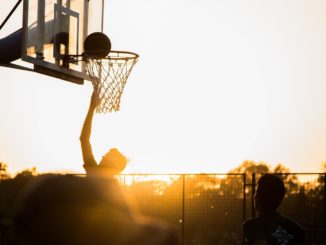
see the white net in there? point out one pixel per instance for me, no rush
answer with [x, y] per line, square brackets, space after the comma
[109, 77]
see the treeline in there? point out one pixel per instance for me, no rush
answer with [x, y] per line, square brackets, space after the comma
[206, 208]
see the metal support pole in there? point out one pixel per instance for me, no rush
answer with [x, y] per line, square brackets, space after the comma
[253, 191]
[102, 22]
[57, 24]
[183, 209]
[244, 198]
[10, 14]
[85, 29]
[85, 19]
[40, 29]
[325, 207]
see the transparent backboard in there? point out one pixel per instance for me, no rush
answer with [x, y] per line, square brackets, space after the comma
[53, 29]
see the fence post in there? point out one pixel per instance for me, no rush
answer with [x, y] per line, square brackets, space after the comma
[253, 192]
[183, 209]
[244, 198]
[325, 205]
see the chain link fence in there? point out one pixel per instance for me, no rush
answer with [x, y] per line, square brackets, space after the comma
[208, 209]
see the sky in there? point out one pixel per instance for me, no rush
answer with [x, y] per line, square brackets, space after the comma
[218, 82]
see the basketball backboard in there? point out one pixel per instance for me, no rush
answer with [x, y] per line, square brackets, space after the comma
[53, 29]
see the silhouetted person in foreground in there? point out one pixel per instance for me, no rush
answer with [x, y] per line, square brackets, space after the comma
[69, 210]
[270, 227]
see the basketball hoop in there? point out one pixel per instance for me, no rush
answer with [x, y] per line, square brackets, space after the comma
[109, 76]
[108, 70]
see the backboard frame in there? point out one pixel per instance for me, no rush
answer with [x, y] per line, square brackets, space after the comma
[56, 69]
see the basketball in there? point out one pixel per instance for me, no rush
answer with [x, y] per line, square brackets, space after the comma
[97, 45]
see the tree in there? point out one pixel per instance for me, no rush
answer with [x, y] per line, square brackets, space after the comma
[249, 167]
[323, 164]
[279, 168]
[11, 189]
[27, 173]
[4, 174]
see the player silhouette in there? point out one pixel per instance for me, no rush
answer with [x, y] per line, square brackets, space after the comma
[143, 230]
[113, 162]
[270, 227]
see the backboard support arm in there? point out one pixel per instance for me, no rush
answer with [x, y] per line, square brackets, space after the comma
[10, 14]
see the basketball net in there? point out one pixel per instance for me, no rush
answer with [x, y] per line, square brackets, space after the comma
[109, 76]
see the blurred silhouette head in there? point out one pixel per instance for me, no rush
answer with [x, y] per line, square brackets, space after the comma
[113, 161]
[62, 209]
[70, 210]
[270, 193]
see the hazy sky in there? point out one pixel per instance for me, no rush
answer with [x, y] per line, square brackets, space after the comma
[218, 82]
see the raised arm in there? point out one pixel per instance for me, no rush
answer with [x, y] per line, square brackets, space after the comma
[88, 157]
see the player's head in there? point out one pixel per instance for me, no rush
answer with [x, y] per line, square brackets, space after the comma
[65, 210]
[55, 209]
[270, 193]
[113, 161]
